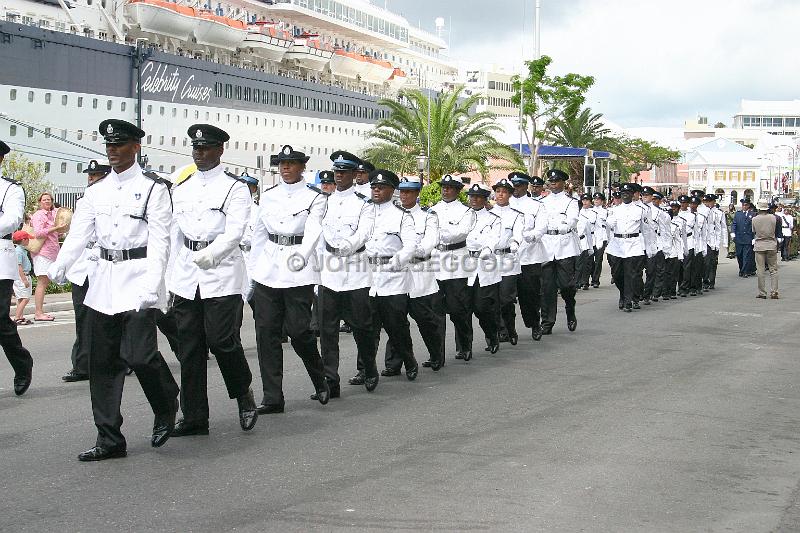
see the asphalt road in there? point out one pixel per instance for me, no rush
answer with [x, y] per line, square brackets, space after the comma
[681, 417]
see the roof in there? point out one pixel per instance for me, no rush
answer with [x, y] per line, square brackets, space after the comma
[769, 107]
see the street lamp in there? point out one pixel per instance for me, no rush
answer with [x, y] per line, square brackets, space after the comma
[422, 165]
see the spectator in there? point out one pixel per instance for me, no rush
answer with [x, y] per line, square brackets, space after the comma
[22, 286]
[786, 220]
[43, 222]
[767, 237]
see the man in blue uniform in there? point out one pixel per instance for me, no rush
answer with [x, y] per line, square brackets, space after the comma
[742, 235]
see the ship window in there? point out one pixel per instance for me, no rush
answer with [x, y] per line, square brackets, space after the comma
[63, 168]
[283, 99]
[174, 112]
[47, 166]
[264, 95]
[173, 141]
[47, 97]
[161, 111]
[274, 99]
[236, 147]
[197, 114]
[257, 96]
[185, 113]
[94, 135]
[305, 103]
[149, 109]
[30, 96]
[228, 117]
[297, 102]
[30, 132]
[12, 95]
[172, 168]
[291, 100]
[79, 135]
[246, 145]
[305, 126]
[79, 166]
[238, 92]
[12, 131]
[109, 104]
[326, 129]
[94, 103]
[228, 90]
[149, 139]
[122, 106]
[161, 140]
[63, 134]
[184, 141]
[238, 119]
[217, 117]
[218, 89]
[273, 125]
[248, 94]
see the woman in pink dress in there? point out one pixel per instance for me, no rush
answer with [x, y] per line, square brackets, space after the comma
[43, 223]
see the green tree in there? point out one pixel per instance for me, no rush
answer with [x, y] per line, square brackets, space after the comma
[581, 129]
[460, 140]
[545, 100]
[635, 156]
[30, 174]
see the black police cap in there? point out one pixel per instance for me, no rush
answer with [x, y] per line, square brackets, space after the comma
[115, 131]
[555, 174]
[710, 198]
[536, 180]
[364, 166]
[599, 195]
[96, 168]
[4, 149]
[648, 190]
[326, 176]
[627, 187]
[288, 153]
[504, 183]
[586, 196]
[207, 135]
[616, 194]
[449, 181]
[519, 178]
[479, 189]
[344, 160]
[381, 176]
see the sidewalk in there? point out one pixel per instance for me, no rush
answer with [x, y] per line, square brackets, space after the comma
[53, 303]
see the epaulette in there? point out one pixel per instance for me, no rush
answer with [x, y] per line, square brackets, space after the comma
[362, 196]
[494, 214]
[317, 190]
[184, 180]
[13, 182]
[400, 207]
[270, 188]
[517, 211]
[92, 183]
[426, 209]
[234, 176]
[155, 177]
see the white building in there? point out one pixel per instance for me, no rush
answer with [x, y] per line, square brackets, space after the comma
[776, 117]
[727, 169]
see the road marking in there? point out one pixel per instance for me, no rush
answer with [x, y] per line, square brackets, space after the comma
[731, 313]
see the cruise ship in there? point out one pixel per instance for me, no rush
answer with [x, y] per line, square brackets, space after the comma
[307, 73]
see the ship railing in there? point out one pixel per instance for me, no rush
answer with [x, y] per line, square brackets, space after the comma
[68, 195]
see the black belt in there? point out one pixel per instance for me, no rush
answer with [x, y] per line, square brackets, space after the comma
[89, 245]
[6, 237]
[285, 240]
[689, 234]
[116, 256]
[503, 251]
[245, 247]
[196, 246]
[415, 260]
[553, 232]
[453, 246]
[475, 253]
[626, 235]
[337, 251]
[382, 260]
[583, 236]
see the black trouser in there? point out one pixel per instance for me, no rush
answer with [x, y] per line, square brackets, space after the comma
[598, 263]
[122, 341]
[286, 309]
[746, 258]
[20, 358]
[458, 306]
[655, 276]
[484, 303]
[558, 276]
[686, 276]
[584, 264]
[671, 272]
[428, 313]
[209, 324]
[638, 281]
[354, 308]
[168, 326]
[625, 270]
[529, 289]
[391, 314]
[698, 265]
[83, 329]
[785, 247]
[506, 305]
[710, 267]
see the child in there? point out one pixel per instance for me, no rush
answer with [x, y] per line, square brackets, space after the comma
[22, 286]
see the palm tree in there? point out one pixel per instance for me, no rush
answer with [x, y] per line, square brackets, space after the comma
[581, 129]
[460, 141]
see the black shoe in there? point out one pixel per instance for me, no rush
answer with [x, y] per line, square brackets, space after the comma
[503, 337]
[585, 287]
[411, 375]
[358, 379]
[128, 371]
[621, 304]
[345, 328]
[336, 392]
[371, 383]
[710, 288]
[21, 384]
[74, 375]
[693, 293]
[547, 331]
[572, 325]
[427, 364]
[536, 333]
[269, 409]
[636, 305]
[596, 285]
[513, 338]
[673, 297]
[628, 309]
[324, 395]
[185, 429]
[467, 355]
[248, 412]
[492, 345]
[163, 426]
[436, 366]
[460, 355]
[389, 372]
[646, 301]
[683, 295]
[101, 453]
[665, 298]
[654, 299]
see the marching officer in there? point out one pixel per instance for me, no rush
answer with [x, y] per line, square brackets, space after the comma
[700, 243]
[283, 267]
[130, 212]
[484, 272]
[537, 187]
[455, 222]
[12, 212]
[690, 226]
[654, 263]
[388, 234]
[674, 253]
[600, 236]
[513, 223]
[78, 276]
[345, 278]
[532, 253]
[211, 213]
[326, 181]
[717, 241]
[363, 168]
[585, 234]
[625, 248]
[558, 273]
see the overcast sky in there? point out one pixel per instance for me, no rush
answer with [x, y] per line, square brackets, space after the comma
[656, 62]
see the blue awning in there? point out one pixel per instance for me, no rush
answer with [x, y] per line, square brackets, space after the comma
[567, 152]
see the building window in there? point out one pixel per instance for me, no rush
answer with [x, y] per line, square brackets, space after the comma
[122, 106]
[79, 166]
[30, 132]
[161, 111]
[30, 96]
[47, 132]
[47, 166]
[12, 131]
[735, 175]
[12, 95]
[161, 140]
[47, 97]
[63, 168]
[79, 135]
[719, 175]
[109, 105]
[174, 112]
[94, 103]
[149, 109]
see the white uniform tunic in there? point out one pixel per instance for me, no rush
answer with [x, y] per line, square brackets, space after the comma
[704, 225]
[12, 212]
[690, 221]
[209, 206]
[364, 189]
[484, 237]
[600, 231]
[583, 232]
[677, 233]
[513, 223]
[86, 264]
[423, 276]
[532, 250]
[344, 213]
[562, 219]
[109, 210]
[286, 211]
[455, 222]
[721, 230]
[648, 235]
[629, 220]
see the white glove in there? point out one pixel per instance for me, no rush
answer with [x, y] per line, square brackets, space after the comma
[147, 300]
[753, 242]
[248, 294]
[57, 274]
[204, 259]
[345, 249]
[394, 265]
[733, 235]
[563, 229]
[296, 262]
[529, 237]
[486, 253]
[780, 240]
[513, 246]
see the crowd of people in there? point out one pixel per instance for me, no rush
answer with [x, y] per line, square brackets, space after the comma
[144, 254]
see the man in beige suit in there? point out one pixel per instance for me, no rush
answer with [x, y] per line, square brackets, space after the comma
[765, 245]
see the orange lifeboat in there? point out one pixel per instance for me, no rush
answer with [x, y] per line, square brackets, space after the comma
[398, 79]
[265, 40]
[308, 52]
[163, 18]
[215, 30]
[348, 64]
[378, 71]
